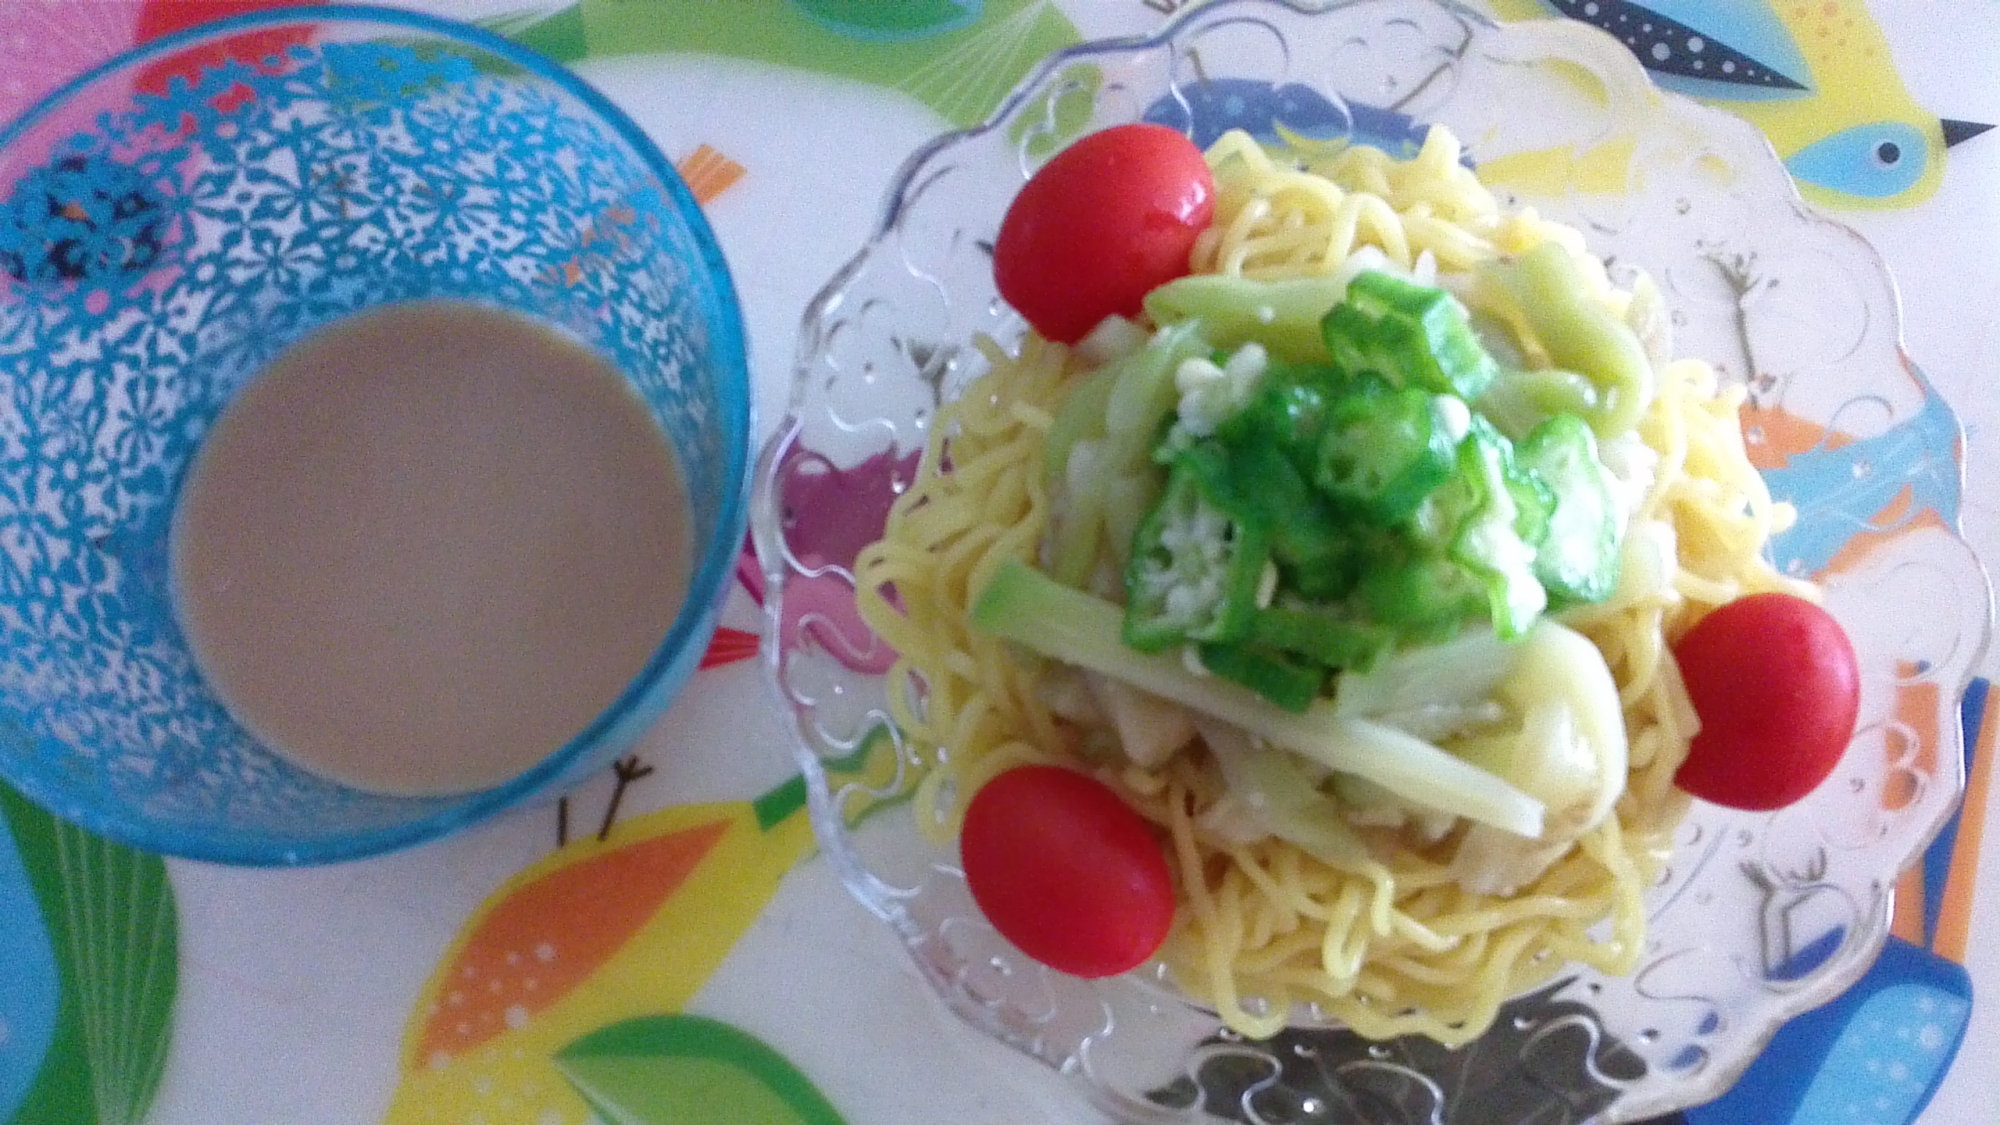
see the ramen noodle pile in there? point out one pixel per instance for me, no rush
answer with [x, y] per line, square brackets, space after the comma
[1397, 689]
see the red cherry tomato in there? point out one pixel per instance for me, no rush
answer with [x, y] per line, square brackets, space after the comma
[1111, 218]
[1774, 680]
[1067, 871]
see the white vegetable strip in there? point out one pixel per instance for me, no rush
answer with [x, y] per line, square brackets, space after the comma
[1150, 729]
[1278, 793]
[1457, 676]
[1026, 606]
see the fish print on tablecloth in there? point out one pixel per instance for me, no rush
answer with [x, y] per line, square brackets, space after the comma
[1815, 76]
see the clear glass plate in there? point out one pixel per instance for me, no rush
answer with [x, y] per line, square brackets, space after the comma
[1760, 916]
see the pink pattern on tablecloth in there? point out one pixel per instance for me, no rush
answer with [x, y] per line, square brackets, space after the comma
[44, 43]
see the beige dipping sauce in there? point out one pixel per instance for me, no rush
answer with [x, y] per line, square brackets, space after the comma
[428, 545]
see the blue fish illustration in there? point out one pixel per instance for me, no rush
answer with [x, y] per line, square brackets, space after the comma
[1815, 76]
[1881, 1048]
[1206, 110]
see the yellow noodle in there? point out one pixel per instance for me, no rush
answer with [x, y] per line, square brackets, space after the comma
[1398, 947]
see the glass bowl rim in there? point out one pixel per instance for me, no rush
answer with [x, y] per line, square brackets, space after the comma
[769, 538]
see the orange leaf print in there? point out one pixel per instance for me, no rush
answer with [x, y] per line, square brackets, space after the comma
[1772, 436]
[536, 945]
[729, 646]
[708, 173]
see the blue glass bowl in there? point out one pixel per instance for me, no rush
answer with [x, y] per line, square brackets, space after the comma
[172, 220]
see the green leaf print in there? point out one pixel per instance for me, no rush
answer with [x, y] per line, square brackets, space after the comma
[688, 1070]
[906, 19]
[959, 57]
[110, 916]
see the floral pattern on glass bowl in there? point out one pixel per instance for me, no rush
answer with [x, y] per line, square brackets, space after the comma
[1760, 916]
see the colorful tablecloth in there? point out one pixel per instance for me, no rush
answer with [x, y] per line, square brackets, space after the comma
[663, 946]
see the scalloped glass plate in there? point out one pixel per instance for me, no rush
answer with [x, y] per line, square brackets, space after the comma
[1760, 916]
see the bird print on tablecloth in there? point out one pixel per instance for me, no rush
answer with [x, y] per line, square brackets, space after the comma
[1815, 76]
